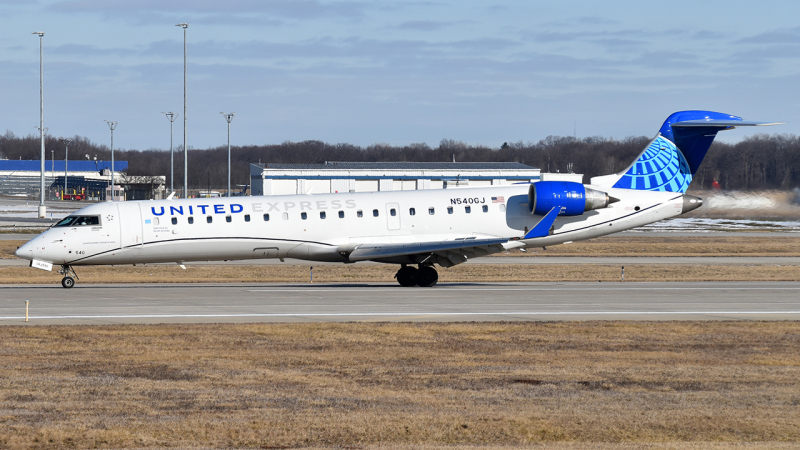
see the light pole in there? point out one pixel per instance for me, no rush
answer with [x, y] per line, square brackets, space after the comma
[185, 150]
[42, 208]
[171, 116]
[112, 125]
[228, 117]
[66, 161]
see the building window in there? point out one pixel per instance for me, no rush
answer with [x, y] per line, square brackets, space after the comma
[247, 217]
[322, 214]
[375, 213]
[228, 218]
[341, 214]
[191, 220]
[431, 211]
[303, 216]
[285, 216]
[266, 217]
[174, 220]
[449, 210]
[485, 208]
[209, 219]
[360, 213]
[412, 211]
[391, 211]
[468, 209]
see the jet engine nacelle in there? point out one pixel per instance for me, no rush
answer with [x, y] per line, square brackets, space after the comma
[572, 198]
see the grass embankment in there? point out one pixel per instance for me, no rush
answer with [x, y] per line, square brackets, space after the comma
[403, 385]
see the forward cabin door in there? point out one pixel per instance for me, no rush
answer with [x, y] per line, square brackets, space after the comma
[393, 216]
[130, 224]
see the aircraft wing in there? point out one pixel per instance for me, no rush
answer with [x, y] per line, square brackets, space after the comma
[458, 249]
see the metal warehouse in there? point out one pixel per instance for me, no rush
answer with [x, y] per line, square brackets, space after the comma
[329, 177]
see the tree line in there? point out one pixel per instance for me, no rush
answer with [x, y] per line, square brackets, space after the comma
[759, 162]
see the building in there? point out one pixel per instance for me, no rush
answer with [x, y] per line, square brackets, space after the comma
[328, 177]
[87, 178]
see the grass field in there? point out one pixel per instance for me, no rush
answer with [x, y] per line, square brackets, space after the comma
[401, 385]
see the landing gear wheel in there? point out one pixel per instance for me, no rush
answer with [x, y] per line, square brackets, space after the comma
[407, 276]
[427, 276]
[67, 282]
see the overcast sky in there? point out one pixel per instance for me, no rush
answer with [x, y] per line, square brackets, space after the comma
[392, 71]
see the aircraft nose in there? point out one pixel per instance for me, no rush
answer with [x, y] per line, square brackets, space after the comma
[25, 252]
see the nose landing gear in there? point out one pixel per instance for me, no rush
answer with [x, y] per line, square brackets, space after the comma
[425, 276]
[68, 281]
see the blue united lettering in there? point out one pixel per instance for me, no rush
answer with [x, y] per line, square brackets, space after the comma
[174, 209]
[236, 208]
[153, 208]
[219, 209]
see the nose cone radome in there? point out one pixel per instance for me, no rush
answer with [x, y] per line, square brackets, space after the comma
[25, 252]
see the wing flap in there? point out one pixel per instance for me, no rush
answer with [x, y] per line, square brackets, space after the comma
[477, 247]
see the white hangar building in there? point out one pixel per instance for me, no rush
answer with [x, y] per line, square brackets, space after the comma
[330, 177]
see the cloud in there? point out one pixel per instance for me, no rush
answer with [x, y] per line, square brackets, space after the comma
[423, 25]
[785, 36]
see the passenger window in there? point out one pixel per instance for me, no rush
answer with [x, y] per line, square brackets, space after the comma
[391, 211]
[247, 217]
[375, 212]
[303, 216]
[449, 210]
[266, 217]
[502, 208]
[322, 214]
[412, 211]
[155, 221]
[360, 213]
[228, 219]
[485, 208]
[341, 214]
[431, 211]
[285, 216]
[468, 209]
[209, 219]
[174, 220]
[191, 220]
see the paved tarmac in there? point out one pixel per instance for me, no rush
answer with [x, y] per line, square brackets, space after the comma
[239, 303]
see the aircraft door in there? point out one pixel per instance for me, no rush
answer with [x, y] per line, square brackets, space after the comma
[130, 224]
[393, 216]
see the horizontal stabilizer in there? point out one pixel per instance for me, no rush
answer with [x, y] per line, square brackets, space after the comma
[366, 252]
[723, 123]
[542, 228]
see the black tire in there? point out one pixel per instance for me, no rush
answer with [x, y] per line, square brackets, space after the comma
[67, 282]
[407, 276]
[427, 277]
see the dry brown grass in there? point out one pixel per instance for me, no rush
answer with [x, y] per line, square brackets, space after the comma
[385, 273]
[402, 385]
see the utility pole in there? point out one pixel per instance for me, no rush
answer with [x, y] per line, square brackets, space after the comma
[112, 125]
[171, 116]
[66, 161]
[185, 148]
[228, 118]
[42, 208]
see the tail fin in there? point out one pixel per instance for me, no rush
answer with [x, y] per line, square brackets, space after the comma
[672, 158]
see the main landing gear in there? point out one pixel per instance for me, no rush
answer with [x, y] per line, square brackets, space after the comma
[68, 281]
[425, 276]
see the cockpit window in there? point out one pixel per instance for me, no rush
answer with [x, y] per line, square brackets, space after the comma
[78, 221]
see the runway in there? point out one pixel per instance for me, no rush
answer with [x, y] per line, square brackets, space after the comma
[239, 303]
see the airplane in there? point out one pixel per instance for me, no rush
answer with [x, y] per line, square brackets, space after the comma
[425, 228]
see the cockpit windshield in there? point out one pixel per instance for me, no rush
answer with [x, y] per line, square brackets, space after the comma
[78, 221]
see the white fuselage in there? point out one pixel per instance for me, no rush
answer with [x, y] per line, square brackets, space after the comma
[316, 227]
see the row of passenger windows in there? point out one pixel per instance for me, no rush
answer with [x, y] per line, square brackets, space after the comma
[324, 215]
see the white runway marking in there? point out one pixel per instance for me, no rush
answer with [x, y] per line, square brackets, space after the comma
[395, 314]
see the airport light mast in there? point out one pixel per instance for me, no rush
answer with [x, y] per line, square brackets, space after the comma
[112, 125]
[171, 116]
[229, 117]
[66, 161]
[42, 208]
[185, 149]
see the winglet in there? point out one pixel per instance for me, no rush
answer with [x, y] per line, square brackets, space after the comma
[542, 228]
